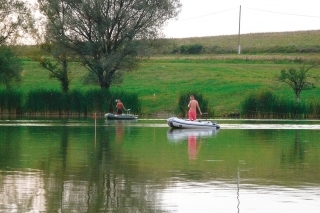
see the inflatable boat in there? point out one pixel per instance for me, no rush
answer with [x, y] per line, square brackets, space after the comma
[175, 122]
[111, 116]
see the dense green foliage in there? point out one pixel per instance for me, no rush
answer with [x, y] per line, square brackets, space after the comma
[10, 67]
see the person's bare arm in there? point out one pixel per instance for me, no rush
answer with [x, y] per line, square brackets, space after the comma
[199, 109]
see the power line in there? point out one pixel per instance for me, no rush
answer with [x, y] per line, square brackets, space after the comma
[291, 14]
[209, 14]
[268, 11]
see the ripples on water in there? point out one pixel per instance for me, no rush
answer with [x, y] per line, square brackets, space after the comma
[226, 124]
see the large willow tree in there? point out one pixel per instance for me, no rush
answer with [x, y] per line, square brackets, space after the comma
[109, 36]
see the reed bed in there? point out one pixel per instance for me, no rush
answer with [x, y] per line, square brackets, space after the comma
[46, 101]
[265, 104]
[11, 101]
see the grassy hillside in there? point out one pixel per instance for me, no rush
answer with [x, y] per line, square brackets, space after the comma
[255, 43]
[278, 42]
[258, 39]
[223, 79]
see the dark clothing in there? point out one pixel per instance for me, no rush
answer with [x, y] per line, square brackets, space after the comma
[119, 111]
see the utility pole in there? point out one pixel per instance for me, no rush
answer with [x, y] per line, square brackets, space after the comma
[239, 47]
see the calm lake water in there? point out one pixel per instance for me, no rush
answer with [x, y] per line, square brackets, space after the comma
[73, 165]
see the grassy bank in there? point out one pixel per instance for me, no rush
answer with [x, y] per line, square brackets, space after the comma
[223, 83]
[224, 80]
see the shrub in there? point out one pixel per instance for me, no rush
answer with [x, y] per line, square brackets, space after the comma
[265, 104]
[191, 49]
[10, 67]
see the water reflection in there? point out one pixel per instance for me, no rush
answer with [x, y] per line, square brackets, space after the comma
[180, 135]
[221, 196]
[121, 126]
[146, 168]
[195, 138]
[22, 192]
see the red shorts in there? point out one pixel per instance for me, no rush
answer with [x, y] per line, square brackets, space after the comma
[192, 115]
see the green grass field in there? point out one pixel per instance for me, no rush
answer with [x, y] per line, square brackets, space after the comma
[224, 85]
[159, 81]
[223, 79]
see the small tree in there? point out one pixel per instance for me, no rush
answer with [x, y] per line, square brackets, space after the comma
[56, 41]
[298, 80]
[58, 70]
[10, 67]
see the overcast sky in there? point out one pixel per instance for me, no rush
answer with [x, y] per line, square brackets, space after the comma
[212, 17]
[221, 17]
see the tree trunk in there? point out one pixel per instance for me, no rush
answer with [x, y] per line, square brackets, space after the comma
[104, 85]
[65, 86]
[65, 80]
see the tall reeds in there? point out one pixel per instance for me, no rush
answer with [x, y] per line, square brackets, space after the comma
[10, 101]
[84, 102]
[265, 104]
[44, 101]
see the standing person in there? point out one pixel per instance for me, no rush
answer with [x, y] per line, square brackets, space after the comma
[193, 105]
[120, 106]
